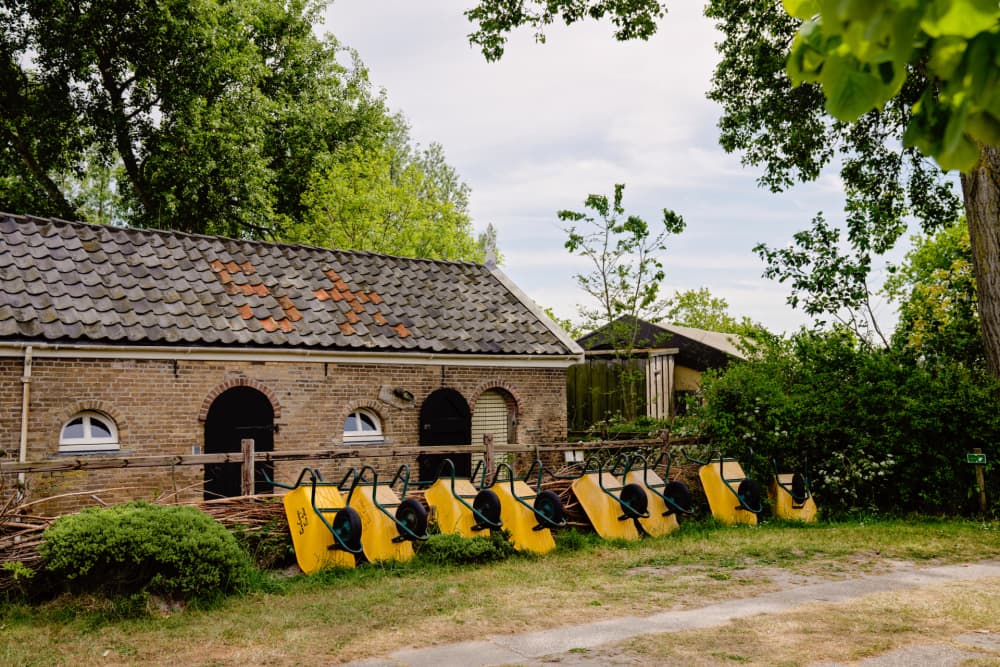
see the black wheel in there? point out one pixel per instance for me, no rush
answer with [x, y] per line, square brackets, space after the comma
[679, 497]
[634, 501]
[411, 514]
[799, 493]
[487, 504]
[549, 509]
[347, 529]
[749, 495]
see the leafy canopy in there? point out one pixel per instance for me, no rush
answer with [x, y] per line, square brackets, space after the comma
[863, 52]
[216, 117]
[495, 18]
[697, 308]
[936, 290]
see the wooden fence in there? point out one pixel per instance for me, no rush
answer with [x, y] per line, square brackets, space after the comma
[248, 456]
[601, 389]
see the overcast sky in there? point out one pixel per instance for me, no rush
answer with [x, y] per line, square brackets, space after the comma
[549, 124]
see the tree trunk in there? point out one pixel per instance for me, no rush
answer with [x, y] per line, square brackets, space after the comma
[981, 190]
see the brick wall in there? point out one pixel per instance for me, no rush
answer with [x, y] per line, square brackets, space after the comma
[160, 406]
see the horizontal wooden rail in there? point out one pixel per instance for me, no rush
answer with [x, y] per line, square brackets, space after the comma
[101, 462]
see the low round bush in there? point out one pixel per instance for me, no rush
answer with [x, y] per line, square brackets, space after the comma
[448, 549]
[139, 547]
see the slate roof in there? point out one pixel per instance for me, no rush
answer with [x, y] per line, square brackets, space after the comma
[74, 282]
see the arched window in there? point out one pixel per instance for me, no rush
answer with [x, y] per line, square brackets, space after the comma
[89, 431]
[363, 426]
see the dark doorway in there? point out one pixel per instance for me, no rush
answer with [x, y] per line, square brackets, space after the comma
[445, 420]
[238, 413]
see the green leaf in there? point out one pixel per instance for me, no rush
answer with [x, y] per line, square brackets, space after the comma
[963, 156]
[955, 130]
[946, 56]
[850, 91]
[964, 18]
[983, 127]
[801, 9]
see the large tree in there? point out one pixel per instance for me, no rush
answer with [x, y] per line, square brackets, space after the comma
[936, 291]
[388, 197]
[211, 116]
[883, 89]
[214, 110]
[697, 308]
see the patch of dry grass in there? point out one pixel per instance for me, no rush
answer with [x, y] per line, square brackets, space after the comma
[375, 610]
[874, 625]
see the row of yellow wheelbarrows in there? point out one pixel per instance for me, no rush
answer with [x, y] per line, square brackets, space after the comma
[361, 518]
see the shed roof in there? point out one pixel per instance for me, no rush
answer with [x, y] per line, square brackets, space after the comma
[697, 348]
[70, 281]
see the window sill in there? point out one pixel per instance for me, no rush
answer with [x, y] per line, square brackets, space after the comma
[93, 452]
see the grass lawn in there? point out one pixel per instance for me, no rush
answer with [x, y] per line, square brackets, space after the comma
[375, 609]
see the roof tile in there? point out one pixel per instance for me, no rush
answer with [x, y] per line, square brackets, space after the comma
[71, 281]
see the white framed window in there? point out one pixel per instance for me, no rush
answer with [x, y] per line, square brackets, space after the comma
[363, 426]
[89, 431]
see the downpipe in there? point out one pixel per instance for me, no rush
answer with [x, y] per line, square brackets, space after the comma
[25, 413]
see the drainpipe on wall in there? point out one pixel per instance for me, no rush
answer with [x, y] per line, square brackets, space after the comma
[25, 402]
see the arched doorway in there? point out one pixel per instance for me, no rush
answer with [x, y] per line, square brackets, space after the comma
[445, 420]
[238, 413]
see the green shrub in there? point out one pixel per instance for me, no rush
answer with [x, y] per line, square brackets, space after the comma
[269, 546]
[144, 548]
[883, 432]
[451, 549]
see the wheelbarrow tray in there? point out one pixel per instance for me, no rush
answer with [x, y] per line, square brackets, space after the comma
[723, 502]
[603, 511]
[785, 506]
[311, 539]
[520, 520]
[452, 516]
[377, 529]
[656, 524]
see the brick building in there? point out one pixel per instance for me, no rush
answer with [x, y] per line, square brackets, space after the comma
[129, 342]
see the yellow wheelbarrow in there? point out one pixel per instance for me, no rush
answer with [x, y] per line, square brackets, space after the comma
[732, 496]
[792, 497]
[450, 498]
[613, 505]
[528, 513]
[387, 534]
[667, 500]
[326, 532]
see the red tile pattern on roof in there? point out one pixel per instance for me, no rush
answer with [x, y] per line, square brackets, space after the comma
[76, 282]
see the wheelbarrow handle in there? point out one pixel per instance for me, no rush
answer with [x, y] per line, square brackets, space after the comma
[693, 459]
[402, 474]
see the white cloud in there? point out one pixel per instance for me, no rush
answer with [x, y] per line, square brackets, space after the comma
[549, 124]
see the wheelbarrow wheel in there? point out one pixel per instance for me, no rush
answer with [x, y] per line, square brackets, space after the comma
[411, 514]
[487, 504]
[678, 496]
[347, 529]
[549, 509]
[634, 501]
[799, 493]
[749, 495]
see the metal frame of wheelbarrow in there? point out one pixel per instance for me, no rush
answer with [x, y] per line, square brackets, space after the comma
[404, 506]
[484, 500]
[673, 506]
[547, 508]
[351, 542]
[747, 487]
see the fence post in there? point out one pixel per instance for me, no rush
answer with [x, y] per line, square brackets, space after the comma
[490, 457]
[247, 445]
[980, 482]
